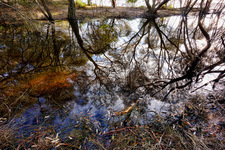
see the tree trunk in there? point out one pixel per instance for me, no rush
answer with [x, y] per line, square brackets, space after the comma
[154, 8]
[50, 18]
[46, 10]
[113, 3]
[73, 22]
[148, 5]
[89, 2]
[71, 10]
[56, 46]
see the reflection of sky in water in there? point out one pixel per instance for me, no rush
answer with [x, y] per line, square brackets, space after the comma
[97, 103]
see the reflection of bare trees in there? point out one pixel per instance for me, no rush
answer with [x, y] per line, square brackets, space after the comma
[75, 29]
[99, 41]
[178, 58]
[159, 59]
[188, 6]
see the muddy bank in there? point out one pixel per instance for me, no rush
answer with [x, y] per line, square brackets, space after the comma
[125, 12]
[60, 13]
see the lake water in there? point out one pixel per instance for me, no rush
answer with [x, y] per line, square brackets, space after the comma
[48, 80]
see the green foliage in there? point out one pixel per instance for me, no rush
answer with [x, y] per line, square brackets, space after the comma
[142, 6]
[23, 2]
[165, 6]
[2, 27]
[104, 26]
[80, 4]
[170, 6]
[105, 36]
[26, 3]
[131, 1]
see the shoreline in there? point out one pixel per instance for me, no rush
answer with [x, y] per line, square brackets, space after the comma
[60, 13]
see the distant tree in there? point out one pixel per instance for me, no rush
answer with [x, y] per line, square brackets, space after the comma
[89, 2]
[113, 3]
[131, 1]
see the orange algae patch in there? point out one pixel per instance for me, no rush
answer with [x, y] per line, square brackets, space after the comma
[50, 82]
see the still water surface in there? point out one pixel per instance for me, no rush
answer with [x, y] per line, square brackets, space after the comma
[48, 80]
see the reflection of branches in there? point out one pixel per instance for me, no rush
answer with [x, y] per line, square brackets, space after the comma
[162, 46]
[74, 24]
[135, 46]
[164, 55]
[194, 69]
[99, 36]
[190, 72]
[35, 53]
[98, 51]
[75, 29]
[187, 38]
[214, 81]
[223, 41]
[188, 7]
[137, 34]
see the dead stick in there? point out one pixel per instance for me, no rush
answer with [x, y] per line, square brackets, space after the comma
[157, 139]
[132, 132]
[21, 143]
[151, 135]
[118, 130]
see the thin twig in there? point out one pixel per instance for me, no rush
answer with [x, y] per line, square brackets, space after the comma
[113, 131]
[157, 139]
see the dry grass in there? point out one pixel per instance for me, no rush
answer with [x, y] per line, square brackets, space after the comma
[194, 129]
[182, 134]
